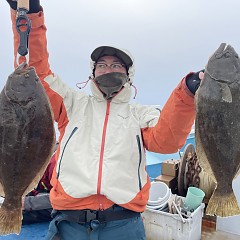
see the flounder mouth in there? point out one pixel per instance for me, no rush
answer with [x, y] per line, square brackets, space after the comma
[221, 48]
[223, 65]
[225, 49]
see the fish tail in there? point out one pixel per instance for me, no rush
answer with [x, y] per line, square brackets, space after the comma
[223, 205]
[10, 220]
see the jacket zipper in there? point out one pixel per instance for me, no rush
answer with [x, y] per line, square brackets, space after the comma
[101, 155]
[73, 131]
[140, 161]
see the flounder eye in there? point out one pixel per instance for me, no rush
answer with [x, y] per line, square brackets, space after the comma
[227, 54]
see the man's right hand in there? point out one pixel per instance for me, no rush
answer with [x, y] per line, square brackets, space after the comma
[34, 5]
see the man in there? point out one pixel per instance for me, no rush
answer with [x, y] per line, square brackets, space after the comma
[100, 185]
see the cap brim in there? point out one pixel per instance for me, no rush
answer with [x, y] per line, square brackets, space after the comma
[111, 51]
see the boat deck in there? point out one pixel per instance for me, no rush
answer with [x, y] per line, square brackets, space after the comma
[210, 234]
[209, 231]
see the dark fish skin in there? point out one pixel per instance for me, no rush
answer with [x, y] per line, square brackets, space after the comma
[27, 140]
[217, 128]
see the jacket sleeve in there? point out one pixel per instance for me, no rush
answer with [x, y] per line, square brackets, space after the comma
[174, 124]
[56, 90]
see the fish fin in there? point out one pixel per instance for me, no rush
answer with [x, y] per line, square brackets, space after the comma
[32, 185]
[206, 184]
[2, 194]
[226, 93]
[202, 158]
[38, 177]
[36, 180]
[222, 205]
[10, 221]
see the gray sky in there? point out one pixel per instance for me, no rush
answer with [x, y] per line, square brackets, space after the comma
[167, 38]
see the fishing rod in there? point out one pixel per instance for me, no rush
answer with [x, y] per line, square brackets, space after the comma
[23, 26]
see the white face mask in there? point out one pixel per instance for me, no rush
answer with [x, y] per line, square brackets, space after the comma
[111, 83]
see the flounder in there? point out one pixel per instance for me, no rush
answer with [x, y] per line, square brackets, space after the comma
[217, 128]
[27, 141]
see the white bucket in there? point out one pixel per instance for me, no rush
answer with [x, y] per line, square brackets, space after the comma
[159, 193]
[162, 205]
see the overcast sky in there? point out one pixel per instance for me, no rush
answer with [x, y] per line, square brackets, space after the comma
[168, 38]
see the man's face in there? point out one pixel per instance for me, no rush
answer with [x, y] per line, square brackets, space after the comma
[108, 64]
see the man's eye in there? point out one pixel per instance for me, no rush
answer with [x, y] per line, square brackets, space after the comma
[101, 65]
[116, 65]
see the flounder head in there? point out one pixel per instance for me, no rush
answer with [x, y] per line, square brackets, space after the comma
[22, 85]
[224, 64]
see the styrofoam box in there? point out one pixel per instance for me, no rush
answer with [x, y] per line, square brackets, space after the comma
[166, 226]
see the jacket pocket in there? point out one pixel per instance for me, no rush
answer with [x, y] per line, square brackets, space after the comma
[139, 161]
[60, 161]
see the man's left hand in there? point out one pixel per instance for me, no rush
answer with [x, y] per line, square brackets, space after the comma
[193, 81]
